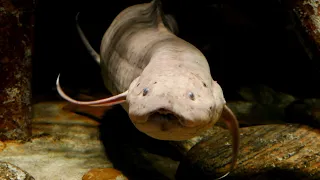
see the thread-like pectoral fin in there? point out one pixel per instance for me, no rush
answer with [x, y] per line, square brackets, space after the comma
[232, 123]
[117, 99]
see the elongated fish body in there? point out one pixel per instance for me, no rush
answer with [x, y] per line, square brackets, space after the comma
[129, 43]
[163, 82]
[140, 43]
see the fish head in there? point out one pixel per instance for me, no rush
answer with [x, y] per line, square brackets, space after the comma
[174, 101]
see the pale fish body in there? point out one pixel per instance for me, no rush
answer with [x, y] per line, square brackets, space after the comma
[139, 50]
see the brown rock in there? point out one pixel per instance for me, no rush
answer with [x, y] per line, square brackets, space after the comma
[62, 146]
[266, 152]
[15, 71]
[105, 174]
[9, 171]
[305, 15]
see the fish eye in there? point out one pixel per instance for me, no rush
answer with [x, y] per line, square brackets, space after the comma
[191, 95]
[145, 91]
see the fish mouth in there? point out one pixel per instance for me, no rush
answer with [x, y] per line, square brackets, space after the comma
[164, 117]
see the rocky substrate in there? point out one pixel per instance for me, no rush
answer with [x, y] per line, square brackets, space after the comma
[279, 139]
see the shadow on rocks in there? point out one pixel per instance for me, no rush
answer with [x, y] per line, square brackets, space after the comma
[123, 144]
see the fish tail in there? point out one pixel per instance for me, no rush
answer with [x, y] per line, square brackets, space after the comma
[85, 41]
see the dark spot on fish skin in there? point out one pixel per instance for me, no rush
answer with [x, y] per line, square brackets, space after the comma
[155, 82]
[179, 65]
[138, 84]
[204, 84]
[211, 107]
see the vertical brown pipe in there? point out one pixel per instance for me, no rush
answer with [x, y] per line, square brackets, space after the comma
[16, 28]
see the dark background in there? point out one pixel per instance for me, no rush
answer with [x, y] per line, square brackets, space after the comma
[246, 43]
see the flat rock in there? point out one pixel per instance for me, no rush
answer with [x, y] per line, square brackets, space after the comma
[9, 171]
[266, 152]
[65, 145]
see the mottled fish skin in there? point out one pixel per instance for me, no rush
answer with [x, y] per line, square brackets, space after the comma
[166, 81]
[121, 54]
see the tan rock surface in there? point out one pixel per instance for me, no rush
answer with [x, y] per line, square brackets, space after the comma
[266, 152]
[65, 146]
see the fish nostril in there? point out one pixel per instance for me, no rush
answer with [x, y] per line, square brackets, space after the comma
[204, 84]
